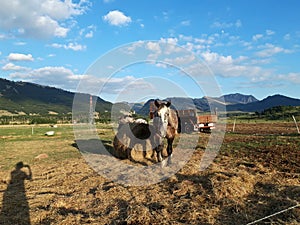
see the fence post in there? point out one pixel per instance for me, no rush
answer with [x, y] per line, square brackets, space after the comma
[233, 128]
[296, 124]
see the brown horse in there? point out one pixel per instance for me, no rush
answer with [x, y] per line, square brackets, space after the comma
[132, 132]
[165, 122]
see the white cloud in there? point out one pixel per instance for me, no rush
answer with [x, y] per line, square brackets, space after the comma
[39, 19]
[210, 57]
[20, 57]
[116, 84]
[20, 43]
[183, 60]
[90, 34]
[185, 23]
[117, 18]
[290, 77]
[72, 46]
[287, 37]
[227, 66]
[224, 25]
[164, 16]
[11, 66]
[65, 78]
[256, 37]
[132, 48]
[238, 23]
[172, 41]
[153, 46]
[270, 32]
[2, 36]
[59, 10]
[54, 76]
[270, 50]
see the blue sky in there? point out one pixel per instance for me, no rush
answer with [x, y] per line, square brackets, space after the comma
[251, 47]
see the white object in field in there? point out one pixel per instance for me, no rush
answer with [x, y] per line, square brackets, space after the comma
[50, 133]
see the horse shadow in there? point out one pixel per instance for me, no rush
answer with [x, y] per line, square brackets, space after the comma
[15, 207]
[105, 147]
[94, 146]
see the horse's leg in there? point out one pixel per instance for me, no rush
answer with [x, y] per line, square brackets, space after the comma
[170, 150]
[153, 153]
[157, 146]
[158, 150]
[128, 150]
[153, 146]
[144, 144]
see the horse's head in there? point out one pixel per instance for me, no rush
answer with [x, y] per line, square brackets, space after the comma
[161, 117]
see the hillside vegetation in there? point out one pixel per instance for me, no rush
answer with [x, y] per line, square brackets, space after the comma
[22, 102]
[281, 112]
[28, 98]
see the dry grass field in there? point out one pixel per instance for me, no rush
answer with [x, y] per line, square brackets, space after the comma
[256, 174]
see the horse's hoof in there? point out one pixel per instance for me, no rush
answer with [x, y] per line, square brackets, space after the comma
[163, 163]
[170, 160]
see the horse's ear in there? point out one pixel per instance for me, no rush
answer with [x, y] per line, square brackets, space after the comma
[156, 103]
[168, 104]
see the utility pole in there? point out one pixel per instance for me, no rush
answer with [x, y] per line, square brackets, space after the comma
[91, 112]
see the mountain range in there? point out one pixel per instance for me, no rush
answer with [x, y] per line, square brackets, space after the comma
[28, 98]
[233, 103]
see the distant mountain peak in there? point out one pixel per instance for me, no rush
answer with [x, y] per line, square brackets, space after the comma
[238, 98]
[266, 103]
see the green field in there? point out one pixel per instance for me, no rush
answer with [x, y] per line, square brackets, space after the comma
[24, 143]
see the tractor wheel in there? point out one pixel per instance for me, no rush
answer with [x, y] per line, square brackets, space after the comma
[188, 128]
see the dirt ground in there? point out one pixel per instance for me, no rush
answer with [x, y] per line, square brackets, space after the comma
[255, 175]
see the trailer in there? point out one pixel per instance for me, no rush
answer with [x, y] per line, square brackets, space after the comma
[189, 121]
[205, 123]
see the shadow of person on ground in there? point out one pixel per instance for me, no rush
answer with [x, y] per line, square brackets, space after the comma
[15, 208]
